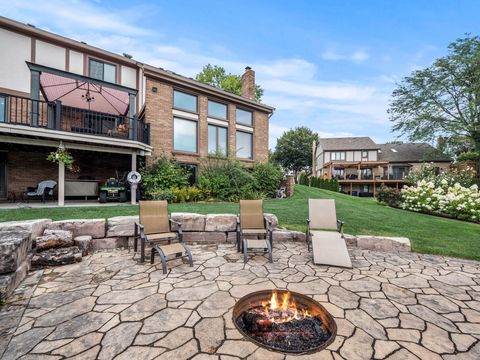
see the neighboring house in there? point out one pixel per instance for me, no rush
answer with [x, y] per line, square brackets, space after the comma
[361, 166]
[111, 112]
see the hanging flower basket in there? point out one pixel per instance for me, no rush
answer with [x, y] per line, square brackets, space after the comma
[62, 155]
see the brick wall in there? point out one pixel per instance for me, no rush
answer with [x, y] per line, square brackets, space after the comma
[158, 113]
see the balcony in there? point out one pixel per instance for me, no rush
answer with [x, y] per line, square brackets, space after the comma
[55, 116]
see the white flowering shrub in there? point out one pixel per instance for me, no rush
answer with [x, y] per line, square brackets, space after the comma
[457, 201]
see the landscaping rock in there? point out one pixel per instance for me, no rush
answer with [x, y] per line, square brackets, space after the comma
[34, 227]
[84, 243]
[220, 222]
[273, 219]
[93, 227]
[109, 243]
[189, 221]
[287, 235]
[350, 240]
[52, 239]
[8, 282]
[121, 226]
[205, 237]
[55, 257]
[14, 249]
[386, 244]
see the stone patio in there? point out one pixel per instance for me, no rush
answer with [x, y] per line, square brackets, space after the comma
[389, 306]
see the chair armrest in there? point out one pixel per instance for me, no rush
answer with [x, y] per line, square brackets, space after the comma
[179, 230]
[340, 225]
[238, 224]
[139, 230]
[268, 223]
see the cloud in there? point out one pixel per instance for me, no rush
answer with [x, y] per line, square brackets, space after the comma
[357, 56]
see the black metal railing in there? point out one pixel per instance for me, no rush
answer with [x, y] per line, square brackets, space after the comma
[53, 115]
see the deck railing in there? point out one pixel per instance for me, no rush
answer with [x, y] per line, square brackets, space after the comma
[19, 110]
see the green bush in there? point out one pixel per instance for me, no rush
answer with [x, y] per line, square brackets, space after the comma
[164, 174]
[163, 195]
[326, 184]
[267, 178]
[389, 196]
[187, 194]
[304, 180]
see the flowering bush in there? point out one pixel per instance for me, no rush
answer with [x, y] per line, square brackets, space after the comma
[457, 201]
[62, 155]
[465, 177]
[390, 196]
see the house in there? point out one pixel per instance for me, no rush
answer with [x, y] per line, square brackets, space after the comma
[361, 165]
[111, 112]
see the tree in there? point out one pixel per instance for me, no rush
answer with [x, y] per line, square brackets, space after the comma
[443, 99]
[294, 149]
[217, 76]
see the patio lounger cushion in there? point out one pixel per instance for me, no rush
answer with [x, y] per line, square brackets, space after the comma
[322, 214]
[329, 248]
[162, 236]
[257, 244]
[171, 249]
[254, 231]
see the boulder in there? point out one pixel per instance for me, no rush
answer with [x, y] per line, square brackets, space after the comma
[84, 243]
[52, 239]
[109, 243]
[288, 235]
[121, 226]
[350, 240]
[10, 281]
[14, 249]
[220, 222]
[34, 227]
[93, 227]
[56, 257]
[273, 219]
[381, 243]
[189, 221]
[205, 237]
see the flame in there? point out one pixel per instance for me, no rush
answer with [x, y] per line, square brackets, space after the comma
[284, 312]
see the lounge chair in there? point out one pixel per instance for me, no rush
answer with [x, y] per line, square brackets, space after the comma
[43, 190]
[325, 234]
[254, 230]
[154, 228]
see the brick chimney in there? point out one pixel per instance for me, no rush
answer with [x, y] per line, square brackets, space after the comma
[248, 83]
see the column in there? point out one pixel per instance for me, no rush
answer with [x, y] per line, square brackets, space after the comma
[131, 115]
[35, 96]
[133, 189]
[61, 183]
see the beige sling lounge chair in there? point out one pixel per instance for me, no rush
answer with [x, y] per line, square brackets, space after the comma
[252, 224]
[155, 227]
[324, 234]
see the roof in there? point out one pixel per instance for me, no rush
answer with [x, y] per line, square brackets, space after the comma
[348, 143]
[411, 152]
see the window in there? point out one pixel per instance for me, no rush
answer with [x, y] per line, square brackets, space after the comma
[364, 155]
[184, 135]
[217, 110]
[191, 169]
[366, 188]
[338, 173]
[367, 174]
[184, 101]
[2, 108]
[217, 140]
[338, 155]
[244, 117]
[244, 145]
[399, 172]
[102, 71]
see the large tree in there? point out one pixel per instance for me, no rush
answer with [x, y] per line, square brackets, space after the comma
[442, 99]
[294, 149]
[217, 76]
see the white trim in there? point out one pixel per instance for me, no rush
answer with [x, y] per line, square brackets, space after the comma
[64, 135]
[223, 123]
[244, 128]
[184, 114]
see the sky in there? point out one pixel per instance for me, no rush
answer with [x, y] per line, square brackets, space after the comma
[330, 65]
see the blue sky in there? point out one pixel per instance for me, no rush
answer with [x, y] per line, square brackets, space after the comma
[328, 65]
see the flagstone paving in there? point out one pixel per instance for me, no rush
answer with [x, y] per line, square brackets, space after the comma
[389, 306]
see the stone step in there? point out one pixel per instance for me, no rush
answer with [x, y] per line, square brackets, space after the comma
[56, 257]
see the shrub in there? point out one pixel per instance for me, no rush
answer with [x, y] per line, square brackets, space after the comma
[187, 194]
[267, 178]
[164, 174]
[390, 196]
[304, 179]
[327, 184]
[163, 195]
[427, 173]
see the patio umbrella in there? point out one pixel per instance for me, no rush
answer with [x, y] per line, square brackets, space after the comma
[84, 94]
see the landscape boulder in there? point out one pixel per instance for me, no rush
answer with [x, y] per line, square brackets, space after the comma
[382, 243]
[288, 235]
[273, 219]
[220, 222]
[121, 226]
[84, 243]
[14, 249]
[34, 227]
[189, 221]
[205, 237]
[56, 257]
[52, 239]
[9, 282]
[93, 227]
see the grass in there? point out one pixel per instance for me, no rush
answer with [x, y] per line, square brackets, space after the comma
[428, 234]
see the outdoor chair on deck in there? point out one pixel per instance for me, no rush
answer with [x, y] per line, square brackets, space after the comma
[254, 231]
[155, 228]
[42, 191]
[325, 235]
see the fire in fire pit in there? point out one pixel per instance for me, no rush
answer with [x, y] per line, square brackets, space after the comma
[284, 321]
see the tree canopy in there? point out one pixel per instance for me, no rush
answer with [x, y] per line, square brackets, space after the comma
[294, 149]
[217, 76]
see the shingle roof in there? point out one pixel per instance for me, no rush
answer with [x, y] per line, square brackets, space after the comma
[349, 143]
[410, 152]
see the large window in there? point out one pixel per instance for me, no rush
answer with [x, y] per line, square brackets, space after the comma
[338, 173]
[367, 174]
[338, 155]
[184, 101]
[2, 108]
[399, 172]
[102, 71]
[217, 110]
[217, 140]
[244, 145]
[184, 135]
[244, 117]
[364, 155]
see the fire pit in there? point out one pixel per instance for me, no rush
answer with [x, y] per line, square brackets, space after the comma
[284, 321]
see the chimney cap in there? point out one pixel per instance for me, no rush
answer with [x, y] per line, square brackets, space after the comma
[248, 68]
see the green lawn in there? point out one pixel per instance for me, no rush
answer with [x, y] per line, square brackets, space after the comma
[428, 234]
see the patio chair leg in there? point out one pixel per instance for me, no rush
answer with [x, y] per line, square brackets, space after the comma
[270, 255]
[142, 250]
[245, 248]
[189, 254]
[152, 256]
